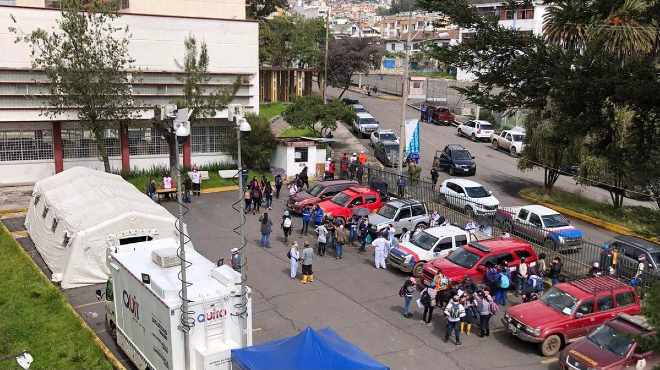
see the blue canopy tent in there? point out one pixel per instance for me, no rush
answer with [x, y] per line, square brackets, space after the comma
[309, 350]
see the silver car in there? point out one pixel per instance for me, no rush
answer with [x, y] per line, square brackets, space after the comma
[408, 213]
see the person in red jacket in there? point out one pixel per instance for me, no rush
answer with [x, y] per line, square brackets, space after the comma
[362, 158]
[343, 166]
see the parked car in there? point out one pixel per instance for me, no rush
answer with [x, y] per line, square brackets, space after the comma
[409, 213]
[513, 141]
[630, 249]
[383, 136]
[471, 259]
[441, 114]
[349, 101]
[568, 311]
[387, 153]
[455, 159]
[364, 124]
[469, 196]
[318, 192]
[341, 205]
[612, 346]
[540, 224]
[358, 108]
[476, 130]
[426, 245]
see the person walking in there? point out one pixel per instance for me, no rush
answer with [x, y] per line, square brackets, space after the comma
[362, 158]
[555, 270]
[485, 307]
[318, 216]
[381, 245]
[294, 256]
[434, 177]
[287, 225]
[196, 178]
[307, 260]
[359, 173]
[427, 298]
[247, 196]
[331, 170]
[340, 240]
[401, 186]
[504, 283]
[306, 218]
[364, 235]
[278, 185]
[454, 312]
[471, 313]
[322, 233]
[521, 275]
[406, 292]
[353, 228]
[256, 199]
[268, 195]
[343, 167]
[304, 178]
[266, 228]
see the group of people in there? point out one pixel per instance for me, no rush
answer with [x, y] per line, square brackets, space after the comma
[192, 184]
[350, 168]
[259, 193]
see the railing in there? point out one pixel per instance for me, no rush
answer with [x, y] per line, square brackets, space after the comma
[577, 255]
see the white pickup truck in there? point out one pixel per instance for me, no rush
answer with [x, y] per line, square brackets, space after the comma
[509, 140]
[541, 225]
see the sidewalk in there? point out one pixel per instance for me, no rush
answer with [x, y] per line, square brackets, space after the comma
[14, 197]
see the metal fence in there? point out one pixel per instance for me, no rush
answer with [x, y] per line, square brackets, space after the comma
[577, 255]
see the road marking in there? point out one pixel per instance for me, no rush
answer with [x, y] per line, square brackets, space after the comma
[549, 360]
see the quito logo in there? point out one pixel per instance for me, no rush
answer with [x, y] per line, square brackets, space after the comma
[212, 315]
[131, 304]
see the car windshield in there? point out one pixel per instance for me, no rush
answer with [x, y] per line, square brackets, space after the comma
[559, 300]
[387, 136]
[461, 154]
[485, 127]
[388, 211]
[554, 220]
[463, 258]
[518, 138]
[477, 192]
[608, 338]
[315, 190]
[368, 121]
[424, 240]
[358, 109]
[341, 199]
[391, 148]
[655, 256]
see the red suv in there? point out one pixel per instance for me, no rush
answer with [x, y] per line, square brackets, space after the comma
[471, 259]
[441, 114]
[570, 310]
[341, 205]
[320, 191]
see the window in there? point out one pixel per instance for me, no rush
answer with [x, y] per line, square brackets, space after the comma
[625, 299]
[300, 154]
[393, 47]
[371, 199]
[26, 145]
[535, 220]
[499, 260]
[460, 240]
[585, 308]
[417, 84]
[525, 13]
[605, 303]
[210, 139]
[508, 137]
[80, 143]
[356, 202]
[506, 14]
[523, 253]
[147, 141]
[445, 243]
[403, 213]
[418, 210]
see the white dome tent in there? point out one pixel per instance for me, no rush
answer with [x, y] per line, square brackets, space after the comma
[75, 216]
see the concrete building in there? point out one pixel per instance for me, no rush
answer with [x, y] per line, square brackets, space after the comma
[395, 25]
[34, 146]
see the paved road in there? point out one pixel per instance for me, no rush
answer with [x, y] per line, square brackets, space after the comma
[496, 170]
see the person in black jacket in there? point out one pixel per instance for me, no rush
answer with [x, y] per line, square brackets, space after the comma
[555, 270]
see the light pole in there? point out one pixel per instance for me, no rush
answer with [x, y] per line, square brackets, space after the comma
[404, 101]
[242, 125]
[325, 57]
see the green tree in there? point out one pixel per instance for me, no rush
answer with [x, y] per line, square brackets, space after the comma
[310, 113]
[258, 145]
[347, 57]
[651, 310]
[292, 41]
[86, 60]
[261, 9]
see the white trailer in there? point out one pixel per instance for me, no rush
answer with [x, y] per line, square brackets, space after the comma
[143, 310]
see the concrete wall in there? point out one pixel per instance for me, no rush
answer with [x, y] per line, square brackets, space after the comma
[284, 158]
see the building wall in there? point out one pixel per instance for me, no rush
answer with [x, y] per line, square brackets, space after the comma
[284, 158]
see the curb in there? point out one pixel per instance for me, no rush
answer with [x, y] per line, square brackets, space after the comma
[15, 210]
[106, 351]
[586, 218]
[219, 189]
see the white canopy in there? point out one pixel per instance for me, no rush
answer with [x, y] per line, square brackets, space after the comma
[76, 215]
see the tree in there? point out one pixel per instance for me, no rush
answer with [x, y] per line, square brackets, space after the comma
[292, 41]
[347, 57]
[204, 103]
[258, 145]
[309, 112]
[260, 9]
[651, 311]
[86, 61]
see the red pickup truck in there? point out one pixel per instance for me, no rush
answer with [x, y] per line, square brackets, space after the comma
[568, 311]
[341, 206]
[471, 259]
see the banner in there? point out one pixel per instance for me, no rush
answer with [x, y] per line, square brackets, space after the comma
[412, 139]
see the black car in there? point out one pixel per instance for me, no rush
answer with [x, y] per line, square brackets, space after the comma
[387, 152]
[456, 160]
[630, 249]
[349, 101]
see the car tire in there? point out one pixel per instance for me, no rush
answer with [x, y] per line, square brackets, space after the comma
[513, 151]
[551, 345]
[451, 171]
[417, 269]
[474, 137]
[421, 226]
[496, 144]
[460, 133]
[111, 328]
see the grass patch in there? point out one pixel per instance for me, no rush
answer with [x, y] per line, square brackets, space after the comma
[268, 111]
[140, 181]
[35, 318]
[298, 132]
[642, 220]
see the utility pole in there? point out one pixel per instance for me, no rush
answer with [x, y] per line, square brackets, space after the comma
[404, 101]
[325, 56]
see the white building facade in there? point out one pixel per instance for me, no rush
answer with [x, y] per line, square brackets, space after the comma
[34, 146]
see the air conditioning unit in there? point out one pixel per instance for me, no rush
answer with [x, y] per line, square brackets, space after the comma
[165, 257]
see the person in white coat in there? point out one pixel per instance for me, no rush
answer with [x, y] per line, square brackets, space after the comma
[381, 246]
[294, 256]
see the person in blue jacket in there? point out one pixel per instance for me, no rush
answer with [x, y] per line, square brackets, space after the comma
[306, 218]
[318, 216]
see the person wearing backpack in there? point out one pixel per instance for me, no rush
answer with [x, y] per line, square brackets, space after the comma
[287, 224]
[504, 283]
[487, 308]
[407, 291]
[427, 298]
[322, 233]
[454, 312]
[294, 256]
